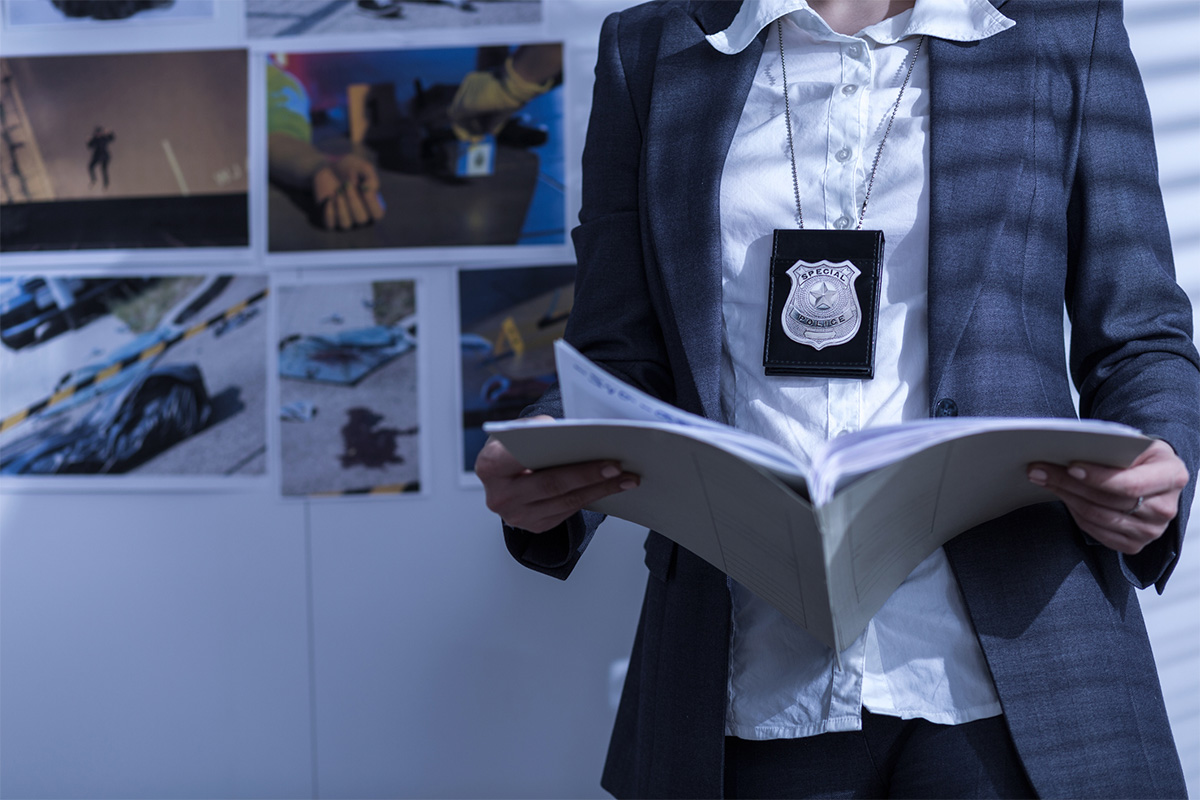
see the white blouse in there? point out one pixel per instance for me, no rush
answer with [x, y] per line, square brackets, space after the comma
[919, 657]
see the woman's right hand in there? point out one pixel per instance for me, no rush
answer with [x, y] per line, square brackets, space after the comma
[539, 500]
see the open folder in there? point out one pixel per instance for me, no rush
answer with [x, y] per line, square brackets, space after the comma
[826, 542]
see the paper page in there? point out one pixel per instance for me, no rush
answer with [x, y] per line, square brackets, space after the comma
[882, 526]
[590, 393]
[768, 538]
[847, 457]
[986, 474]
[878, 531]
[670, 495]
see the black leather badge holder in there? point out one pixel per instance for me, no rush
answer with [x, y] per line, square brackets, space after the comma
[823, 303]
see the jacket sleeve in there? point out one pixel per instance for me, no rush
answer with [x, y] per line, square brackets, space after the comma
[1132, 356]
[612, 320]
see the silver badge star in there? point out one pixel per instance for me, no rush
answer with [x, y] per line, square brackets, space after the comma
[822, 295]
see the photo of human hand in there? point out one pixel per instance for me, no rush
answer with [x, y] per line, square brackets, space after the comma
[346, 192]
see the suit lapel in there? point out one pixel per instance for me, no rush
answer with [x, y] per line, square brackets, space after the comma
[696, 104]
[980, 139]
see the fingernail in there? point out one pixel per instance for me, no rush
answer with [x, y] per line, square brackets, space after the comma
[628, 484]
[609, 472]
[1038, 476]
[1078, 473]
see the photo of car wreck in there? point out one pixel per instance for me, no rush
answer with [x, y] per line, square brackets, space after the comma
[35, 308]
[147, 375]
[160, 408]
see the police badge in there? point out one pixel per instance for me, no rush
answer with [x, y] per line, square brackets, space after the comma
[822, 309]
[824, 323]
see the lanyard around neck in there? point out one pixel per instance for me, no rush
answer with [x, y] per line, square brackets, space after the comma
[878, 152]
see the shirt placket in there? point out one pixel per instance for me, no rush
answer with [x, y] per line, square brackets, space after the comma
[848, 121]
[847, 136]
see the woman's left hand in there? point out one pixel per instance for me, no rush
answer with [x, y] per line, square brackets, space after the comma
[1125, 509]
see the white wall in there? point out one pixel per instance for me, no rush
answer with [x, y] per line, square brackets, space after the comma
[238, 645]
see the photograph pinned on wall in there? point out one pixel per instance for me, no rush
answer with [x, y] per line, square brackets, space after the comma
[349, 422]
[129, 150]
[145, 376]
[268, 18]
[509, 319]
[105, 13]
[443, 147]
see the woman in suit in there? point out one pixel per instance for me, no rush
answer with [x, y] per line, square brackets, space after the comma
[1026, 144]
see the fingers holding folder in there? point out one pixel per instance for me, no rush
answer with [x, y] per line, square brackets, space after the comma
[1124, 509]
[539, 500]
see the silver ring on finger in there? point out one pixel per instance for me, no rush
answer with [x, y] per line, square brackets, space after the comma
[1141, 499]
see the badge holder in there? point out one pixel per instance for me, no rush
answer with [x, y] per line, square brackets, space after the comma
[823, 303]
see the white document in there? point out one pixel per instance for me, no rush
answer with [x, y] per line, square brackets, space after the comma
[826, 543]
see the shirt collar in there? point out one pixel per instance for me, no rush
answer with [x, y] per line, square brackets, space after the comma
[957, 20]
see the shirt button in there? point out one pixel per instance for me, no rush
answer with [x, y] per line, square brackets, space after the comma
[842, 223]
[843, 154]
[855, 50]
[849, 89]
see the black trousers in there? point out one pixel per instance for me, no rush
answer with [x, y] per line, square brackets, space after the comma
[889, 757]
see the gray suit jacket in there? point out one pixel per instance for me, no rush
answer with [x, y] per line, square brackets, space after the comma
[1043, 191]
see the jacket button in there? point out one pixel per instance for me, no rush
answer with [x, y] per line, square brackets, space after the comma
[945, 408]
